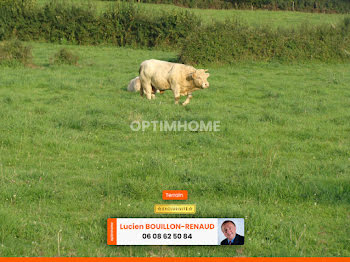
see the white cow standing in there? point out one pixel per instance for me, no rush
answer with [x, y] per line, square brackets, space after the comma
[181, 79]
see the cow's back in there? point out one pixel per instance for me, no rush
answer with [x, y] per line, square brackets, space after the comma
[150, 67]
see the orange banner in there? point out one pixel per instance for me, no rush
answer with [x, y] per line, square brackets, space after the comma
[175, 195]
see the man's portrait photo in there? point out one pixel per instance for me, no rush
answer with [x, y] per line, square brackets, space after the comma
[230, 231]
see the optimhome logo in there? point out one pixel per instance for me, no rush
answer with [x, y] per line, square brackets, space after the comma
[176, 126]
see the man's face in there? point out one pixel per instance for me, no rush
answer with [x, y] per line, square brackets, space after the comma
[229, 230]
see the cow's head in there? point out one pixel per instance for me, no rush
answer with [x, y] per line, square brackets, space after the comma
[200, 78]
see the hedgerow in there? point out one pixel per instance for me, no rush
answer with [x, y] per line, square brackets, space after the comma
[232, 41]
[123, 24]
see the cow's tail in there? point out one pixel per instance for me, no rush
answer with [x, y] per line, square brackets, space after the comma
[141, 88]
[141, 91]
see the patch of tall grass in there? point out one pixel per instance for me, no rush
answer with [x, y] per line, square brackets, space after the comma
[65, 56]
[14, 52]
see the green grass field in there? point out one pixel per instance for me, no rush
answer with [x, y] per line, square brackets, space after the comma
[263, 18]
[69, 160]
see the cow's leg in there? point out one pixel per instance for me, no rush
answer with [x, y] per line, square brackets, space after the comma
[154, 91]
[189, 97]
[147, 88]
[176, 90]
[176, 95]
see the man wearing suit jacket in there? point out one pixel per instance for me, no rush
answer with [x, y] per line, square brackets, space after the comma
[229, 230]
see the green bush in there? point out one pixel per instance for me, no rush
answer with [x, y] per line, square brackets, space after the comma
[230, 42]
[13, 52]
[64, 56]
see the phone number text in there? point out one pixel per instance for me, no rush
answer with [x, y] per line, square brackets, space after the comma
[166, 236]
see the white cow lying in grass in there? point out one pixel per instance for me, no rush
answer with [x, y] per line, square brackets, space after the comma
[181, 79]
[134, 85]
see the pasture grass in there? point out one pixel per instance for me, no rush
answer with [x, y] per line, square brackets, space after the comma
[69, 160]
[265, 18]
